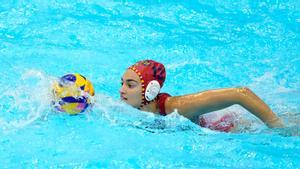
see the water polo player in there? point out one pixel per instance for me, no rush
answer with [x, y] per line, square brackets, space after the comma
[72, 93]
[141, 84]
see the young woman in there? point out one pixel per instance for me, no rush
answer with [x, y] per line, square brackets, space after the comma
[141, 84]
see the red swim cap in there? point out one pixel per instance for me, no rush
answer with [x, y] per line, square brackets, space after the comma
[149, 71]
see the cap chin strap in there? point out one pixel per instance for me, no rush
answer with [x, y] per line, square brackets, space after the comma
[152, 90]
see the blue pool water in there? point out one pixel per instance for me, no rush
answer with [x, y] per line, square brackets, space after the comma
[204, 45]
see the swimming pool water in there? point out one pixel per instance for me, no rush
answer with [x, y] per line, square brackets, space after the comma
[203, 44]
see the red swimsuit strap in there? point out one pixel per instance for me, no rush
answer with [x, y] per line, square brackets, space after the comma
[161, 99]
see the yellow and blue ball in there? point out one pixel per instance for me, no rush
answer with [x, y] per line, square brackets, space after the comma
[72, 93]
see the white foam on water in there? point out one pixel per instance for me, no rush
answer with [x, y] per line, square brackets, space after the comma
[26, 103]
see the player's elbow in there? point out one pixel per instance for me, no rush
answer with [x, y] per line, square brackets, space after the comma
[242, 93]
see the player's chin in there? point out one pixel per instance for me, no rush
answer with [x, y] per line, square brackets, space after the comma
[133, 104]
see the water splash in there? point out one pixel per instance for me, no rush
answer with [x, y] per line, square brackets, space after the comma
[27, 102]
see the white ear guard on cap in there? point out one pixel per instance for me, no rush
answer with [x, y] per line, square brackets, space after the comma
[152, 90]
